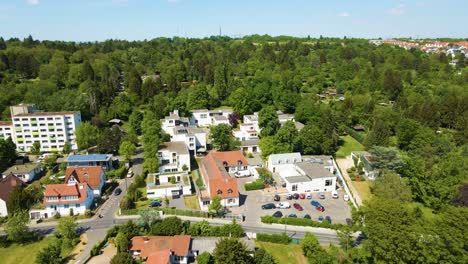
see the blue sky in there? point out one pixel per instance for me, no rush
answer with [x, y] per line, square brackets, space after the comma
[89, 20]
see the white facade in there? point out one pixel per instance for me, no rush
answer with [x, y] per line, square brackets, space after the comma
[246, 131]
[161, 185]
[6, 129]
[172, 121]
[51, 129]
[193, 137]
[205, 117]
[225, 202]
[276, 161]
[3, 208]
[26, 172]
[173, 156]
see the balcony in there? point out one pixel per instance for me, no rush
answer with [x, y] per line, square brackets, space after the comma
[18, 129]
[35, 133]
[51, 128]
[19, 139]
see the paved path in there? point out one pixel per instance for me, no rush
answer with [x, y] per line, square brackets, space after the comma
[344, 165]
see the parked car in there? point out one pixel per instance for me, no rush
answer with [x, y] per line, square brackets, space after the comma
[130, 173]
[296, 196]
[268, 206]
[346, 197]
[349, 221]
[307, 216]
[277, 198]
[320, 219]
[289, 197]
[302, 196]
[298, 207]
[320, 208]
[155, 204]
[328, 218]
[278, 214]
[335, 195]
[322, 196]
[292, 216]
[315, 203]
[283, 205]
[117, 191]
[308, 196]
[241, 174]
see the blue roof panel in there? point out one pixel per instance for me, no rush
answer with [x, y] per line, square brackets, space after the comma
[91, 157]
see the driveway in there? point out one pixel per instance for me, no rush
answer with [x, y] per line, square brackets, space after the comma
[344, 165]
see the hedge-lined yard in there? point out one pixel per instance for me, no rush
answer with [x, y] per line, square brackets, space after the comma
[255, 185]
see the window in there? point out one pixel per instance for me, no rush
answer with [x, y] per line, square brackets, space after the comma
[328, 182]
[294, 187]
[203, 116]
[230, 201]
[229, 190]
[52, 198]
[206, 202]
[66, 206]
[49, 118]
[77, 205]
[219, 192]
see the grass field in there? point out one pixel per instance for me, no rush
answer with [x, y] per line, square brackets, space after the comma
[363, 187]
[284, 254]
[191, 202]
[23, 254]
[348, 144]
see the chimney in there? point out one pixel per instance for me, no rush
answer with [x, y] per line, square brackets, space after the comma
[80, 186]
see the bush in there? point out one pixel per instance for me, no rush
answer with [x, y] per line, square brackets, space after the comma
[203, 228]
[205, 258]
[299, 222]
[96, 250]
[256, 185]
[57, 215]
[140, 181]
[88, 213]
[170, 226]
[127, 203]
[119, 173]
[274, 238]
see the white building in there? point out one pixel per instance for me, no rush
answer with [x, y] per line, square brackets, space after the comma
[193, 137]
[61, 198]
[247, 134]
[173, 156]
[26, 172]
[172, 121]
[92, 175]
[6, 129]
[205, 117]
[311, 175]
[51, 129]
[277, 161]
[168, 185]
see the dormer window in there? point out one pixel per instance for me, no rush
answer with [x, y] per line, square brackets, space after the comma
[229, 190]
[239, 162]
[219, 192]
[225, 164]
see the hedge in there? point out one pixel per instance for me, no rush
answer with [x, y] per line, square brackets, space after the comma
[170, 211]
[299, 222]
[256, 185]
[274, 238]
[359, 137]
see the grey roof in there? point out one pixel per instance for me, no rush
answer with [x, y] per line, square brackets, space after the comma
[249, 142]
[255, 161]
[208, 244]
[178, 147]
[297, 179]
[199, 110]
[314, 170]
[275, 158]
[252, 117]
[220, 118]
[21, 169]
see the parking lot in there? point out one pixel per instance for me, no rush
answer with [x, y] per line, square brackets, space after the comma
[337, 209]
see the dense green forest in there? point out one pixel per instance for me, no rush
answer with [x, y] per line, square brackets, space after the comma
[413, 106]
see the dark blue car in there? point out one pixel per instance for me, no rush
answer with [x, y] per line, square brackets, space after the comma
[315, 203]
[328, 218]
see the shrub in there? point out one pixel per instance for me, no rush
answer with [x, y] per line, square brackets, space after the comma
[205, 258]
[71, 212]
[57, 215]
[88, 213]
[126, 203]
[299, 222]
[274, 238]
[256, 185]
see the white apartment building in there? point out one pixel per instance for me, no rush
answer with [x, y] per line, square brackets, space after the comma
[173, 156]
[193, 137]
[247, 134]
[172, 121]
[282, 118]
[205, 117]
[6, 129]
[51, 129]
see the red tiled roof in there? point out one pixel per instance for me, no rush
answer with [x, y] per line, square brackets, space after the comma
[159, 257]
[88, 174]
[147, 245]
[214, 172]
[7, 184]
[6, 123]
[60, 190]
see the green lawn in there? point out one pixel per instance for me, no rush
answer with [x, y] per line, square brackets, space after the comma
[284, 254]
[191, 202]
[19, 254]
[348, 144]
[363, 188]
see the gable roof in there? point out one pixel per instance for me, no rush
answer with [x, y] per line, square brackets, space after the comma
[146, 245]
[61, 190]
[7, 184]
[159, 257]
[88, 174]
[215, 175]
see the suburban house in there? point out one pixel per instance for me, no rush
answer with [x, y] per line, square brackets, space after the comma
[168, 185]
[365, 158]
[316, 174]
[92, 175]
[247, 134]
[51, 129]
[173, 157]
[277, 161]
[193, 137]
[176, 249]
[205, 117]
[172, 121]
[162, 249]
[61, 198]
[7, 184]
[215, 170]
[103, 160]
[282, 118]
[27, 172]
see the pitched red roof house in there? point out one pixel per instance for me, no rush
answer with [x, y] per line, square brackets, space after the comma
[60, 191]
[159, 248]
[92, 175]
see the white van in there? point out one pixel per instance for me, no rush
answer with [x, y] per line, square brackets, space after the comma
[243, 173]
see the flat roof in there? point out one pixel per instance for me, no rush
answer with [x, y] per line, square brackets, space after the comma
[90, 157]
[314, 170]
[297, 179]
[249, 142]
[178, 147]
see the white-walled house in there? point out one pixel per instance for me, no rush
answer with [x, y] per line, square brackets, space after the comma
[247, 134]
[276, 161]
[205, 117]
[365, 158]
[60, 198]
[307, 176]
[193, 137]
[7, 184]
[173, 156]
[27, 172]
[168, 185]
[172, 121]
[94, 176]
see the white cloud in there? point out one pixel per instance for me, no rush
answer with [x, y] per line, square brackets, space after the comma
[397, 10]
[344, 14]
[32, 2]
